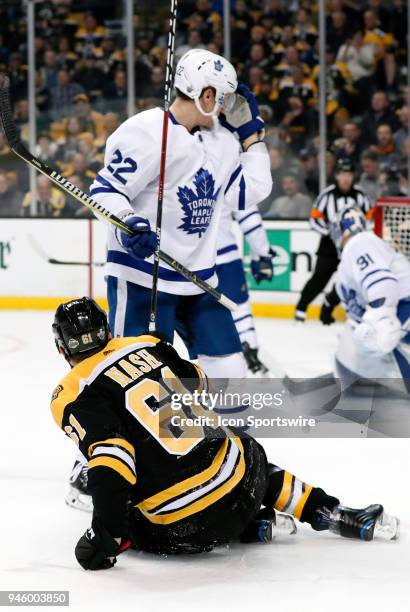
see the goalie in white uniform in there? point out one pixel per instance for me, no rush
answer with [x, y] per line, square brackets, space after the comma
[373, 281]
[212, 162]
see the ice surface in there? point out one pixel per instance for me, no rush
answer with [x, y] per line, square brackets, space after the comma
[307, 572]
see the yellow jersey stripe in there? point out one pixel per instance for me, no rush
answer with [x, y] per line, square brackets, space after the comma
[186, 485]
[286, 491]
[117, 441]
[70, 385]
[204, 502]
[297, 513]
[116, 465]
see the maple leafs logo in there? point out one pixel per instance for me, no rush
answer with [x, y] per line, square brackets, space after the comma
[198, 206]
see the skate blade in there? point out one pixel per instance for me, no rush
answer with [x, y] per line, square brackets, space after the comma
[285, 525]
[79, 500]
[387, 527]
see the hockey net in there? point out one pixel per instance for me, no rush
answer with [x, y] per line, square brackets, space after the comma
[392, 222]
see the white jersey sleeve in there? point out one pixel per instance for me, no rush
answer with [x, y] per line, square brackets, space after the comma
[251, 181]
[251, 224]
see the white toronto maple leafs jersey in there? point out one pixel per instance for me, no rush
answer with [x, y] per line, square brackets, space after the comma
[205, 171]
[371, 273]
[250, 224]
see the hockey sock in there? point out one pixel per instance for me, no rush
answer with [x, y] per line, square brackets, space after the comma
[287, 493]
[245, 324]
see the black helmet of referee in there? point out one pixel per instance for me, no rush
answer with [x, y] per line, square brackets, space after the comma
[344, 164]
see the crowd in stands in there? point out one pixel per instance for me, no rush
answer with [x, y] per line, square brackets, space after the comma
[81, 89]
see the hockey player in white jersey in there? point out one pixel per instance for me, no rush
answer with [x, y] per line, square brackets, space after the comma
[209, 165]
[231, 275]
[373, 281]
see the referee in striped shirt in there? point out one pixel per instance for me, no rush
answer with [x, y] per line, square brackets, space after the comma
[332, 199]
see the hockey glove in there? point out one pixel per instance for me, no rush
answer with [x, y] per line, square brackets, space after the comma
[379, 332]
[97, 549]
[143, 243]
[262, 268]
[243, 118]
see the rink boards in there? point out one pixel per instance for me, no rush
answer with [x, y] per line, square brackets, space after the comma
[28, 280]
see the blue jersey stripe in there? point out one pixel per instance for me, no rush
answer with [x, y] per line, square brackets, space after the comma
[234, 176]
[242, 318]
[107, 187]
[379, 280]
[253, 229]
[227, 249]
[124, 259]
[242, 188]
[255, 212]
[373, 272]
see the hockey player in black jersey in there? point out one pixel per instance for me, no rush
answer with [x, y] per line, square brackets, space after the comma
[161, 488]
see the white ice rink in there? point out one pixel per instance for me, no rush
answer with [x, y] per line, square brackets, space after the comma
[308, 572]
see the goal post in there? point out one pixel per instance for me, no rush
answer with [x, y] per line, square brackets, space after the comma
[392, 222]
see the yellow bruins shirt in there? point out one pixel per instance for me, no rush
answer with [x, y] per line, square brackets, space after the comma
[117, 407]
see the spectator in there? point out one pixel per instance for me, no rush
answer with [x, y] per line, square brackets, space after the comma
[378, 114]
[297, 123]
[78, 166]
[385, 146]
[90, 77]
[337, 30]
[351, 145]
[115, 92]
[384, 45]
[293, 204]
[49, 70]
[10, 198]
[369, 178]
[63, 94]
[46, 150]
[17, 73]
[50, 201]
[90, 35]
[360, 60]
[402, 133]
[90, 120]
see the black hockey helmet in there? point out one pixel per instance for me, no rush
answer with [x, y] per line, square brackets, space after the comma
[80, 327]
[344, 164]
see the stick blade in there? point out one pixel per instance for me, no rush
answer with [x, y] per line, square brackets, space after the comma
[6, 113]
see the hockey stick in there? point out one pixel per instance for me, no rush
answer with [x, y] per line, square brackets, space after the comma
[162, 167]
[59, 262]
[20, 150]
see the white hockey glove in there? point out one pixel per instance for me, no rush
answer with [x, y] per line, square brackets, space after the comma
[379, 332]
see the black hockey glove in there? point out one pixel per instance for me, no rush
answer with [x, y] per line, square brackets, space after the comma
[97, 549]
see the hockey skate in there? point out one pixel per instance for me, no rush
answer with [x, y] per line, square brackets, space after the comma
[78, 496]
[362, 524]
[268, 525]
[252, 360]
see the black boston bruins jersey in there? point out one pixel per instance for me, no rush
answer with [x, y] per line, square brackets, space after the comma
[116, 406]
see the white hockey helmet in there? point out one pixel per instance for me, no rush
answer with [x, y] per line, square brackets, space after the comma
[348, 222]
[198, 69]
